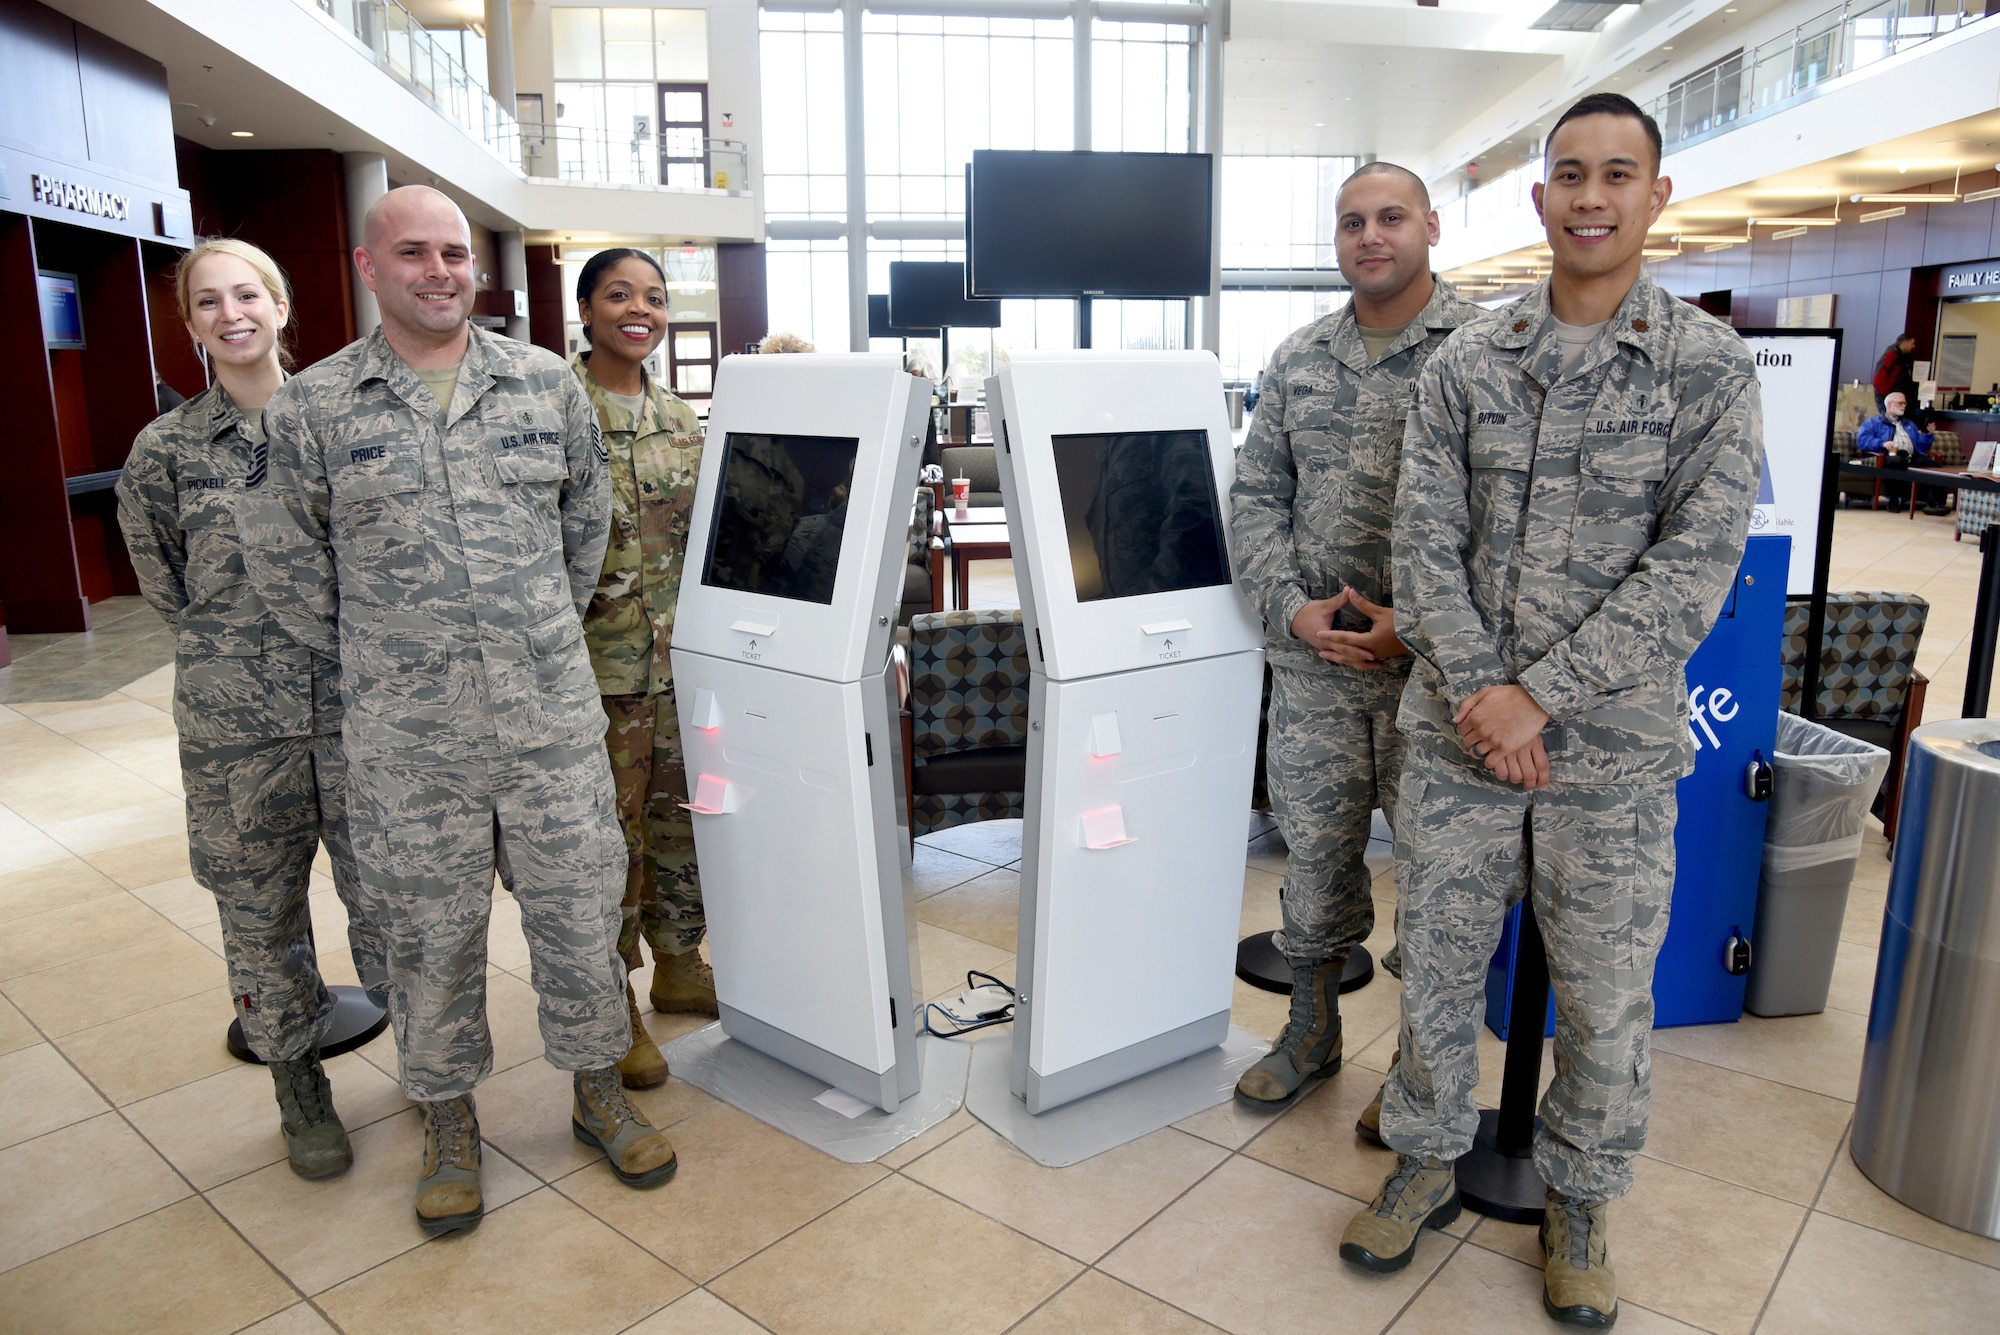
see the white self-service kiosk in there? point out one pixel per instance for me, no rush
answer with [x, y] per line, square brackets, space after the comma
[788, 719]
[1146, 671]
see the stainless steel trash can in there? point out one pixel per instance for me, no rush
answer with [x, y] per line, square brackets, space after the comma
[1927, 1118]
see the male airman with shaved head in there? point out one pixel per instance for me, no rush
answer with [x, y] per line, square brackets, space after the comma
[435, 514]
[1314, 495]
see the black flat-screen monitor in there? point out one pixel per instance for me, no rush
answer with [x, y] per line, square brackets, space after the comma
[779, 515]
[1088, 224]
[879, 326]
[1141, 513]
[930, 294]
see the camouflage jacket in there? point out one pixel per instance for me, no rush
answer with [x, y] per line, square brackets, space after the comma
[447, 565]
[1575, 532]
[1315, 489]
[237, 676]
[655, 459]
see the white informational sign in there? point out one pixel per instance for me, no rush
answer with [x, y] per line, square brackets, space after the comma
[1797, 374]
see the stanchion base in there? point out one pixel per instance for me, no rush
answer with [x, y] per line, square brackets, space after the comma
[1260, 964]
[1498, 1185]
[355, 1021]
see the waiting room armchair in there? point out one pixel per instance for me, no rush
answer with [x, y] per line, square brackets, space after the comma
[1869, 686]
[968, 751]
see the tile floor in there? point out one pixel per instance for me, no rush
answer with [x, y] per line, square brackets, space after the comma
[142, 1188]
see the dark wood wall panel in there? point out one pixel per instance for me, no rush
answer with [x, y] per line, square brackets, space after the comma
[545, 299]
[117, 363]
[174, 356]
[38, 578]
[742, 290]
[292, 204]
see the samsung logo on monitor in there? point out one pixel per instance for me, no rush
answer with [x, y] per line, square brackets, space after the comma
[76, 198]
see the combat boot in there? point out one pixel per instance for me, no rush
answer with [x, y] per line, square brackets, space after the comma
[644, 1066]
[1368, 1126]
[1578, 1285]
[683, 982]
[640, 1155]
[315, 1141]
[1310, 1045]
[1420, 1194]
[448, 1197]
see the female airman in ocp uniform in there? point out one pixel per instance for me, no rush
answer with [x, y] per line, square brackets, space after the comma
[654, 443]
[258, 714]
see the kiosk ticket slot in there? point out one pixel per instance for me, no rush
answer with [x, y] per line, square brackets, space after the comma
[781, 674]
[1143, 707]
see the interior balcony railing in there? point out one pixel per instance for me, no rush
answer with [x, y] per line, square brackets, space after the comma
[1759, 81]
[391, 36]
[595, 156]
[1824, 47]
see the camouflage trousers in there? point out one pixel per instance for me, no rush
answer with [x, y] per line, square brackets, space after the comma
[429, 837]
[662, 884]
[1334, 755]
[1600, 861]
[257, 812]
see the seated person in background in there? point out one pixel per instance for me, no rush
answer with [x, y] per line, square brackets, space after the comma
[783, 342]
[1901, 443]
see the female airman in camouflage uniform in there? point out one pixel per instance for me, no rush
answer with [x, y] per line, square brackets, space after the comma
[654, 443]
[258, 713]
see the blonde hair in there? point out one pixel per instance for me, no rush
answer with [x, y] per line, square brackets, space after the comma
[784, 343]
[267, 271]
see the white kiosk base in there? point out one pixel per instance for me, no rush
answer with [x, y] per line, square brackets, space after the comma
[814, 946]
[801, 1105]
[1111, 1117]
[1119, 858]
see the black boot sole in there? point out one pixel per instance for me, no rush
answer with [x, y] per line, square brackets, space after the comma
[1305, 1086]
[652, 1177]
[452, 1223]
[1446, 1213]
[1583, 1314]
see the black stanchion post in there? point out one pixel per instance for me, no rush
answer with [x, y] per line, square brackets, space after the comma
[1497, 1177]
[1985, 623]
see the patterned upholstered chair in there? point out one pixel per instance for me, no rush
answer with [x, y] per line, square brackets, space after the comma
[1846, 450]
[1976, 509]
[1947, 450]
[968, 752]
[1869, 686]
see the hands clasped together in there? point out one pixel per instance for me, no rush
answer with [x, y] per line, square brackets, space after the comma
[1503, 726]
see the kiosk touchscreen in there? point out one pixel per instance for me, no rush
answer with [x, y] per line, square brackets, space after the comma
[781, 673]
[1146, 670]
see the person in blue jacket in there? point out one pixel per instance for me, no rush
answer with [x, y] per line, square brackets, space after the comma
[1902, 443]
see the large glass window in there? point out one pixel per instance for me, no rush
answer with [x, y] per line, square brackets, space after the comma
[1255, 322]
[938, 88]
[1139, 82]
[1277, 212]
[610, 64]
[805, 140]
[807, 291]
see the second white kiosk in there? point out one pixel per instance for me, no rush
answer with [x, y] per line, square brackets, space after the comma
[1146, 671]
